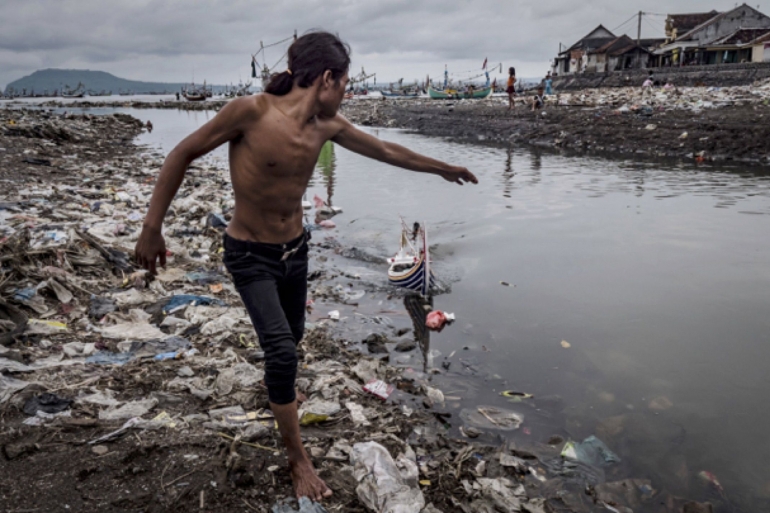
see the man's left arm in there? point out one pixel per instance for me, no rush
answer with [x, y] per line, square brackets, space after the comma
[353, 139]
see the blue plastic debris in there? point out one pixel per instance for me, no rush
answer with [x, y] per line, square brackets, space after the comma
[108, 358]
[204, 277]
[27, 294]
[166, 356]
[190, 299]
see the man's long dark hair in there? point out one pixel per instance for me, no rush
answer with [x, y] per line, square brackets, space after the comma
[309, 57]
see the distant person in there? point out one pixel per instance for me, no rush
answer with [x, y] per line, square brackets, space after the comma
[511, 88]
[177, 96]
[648, 84]
[548, 84]
[538, 102]
[149, 126]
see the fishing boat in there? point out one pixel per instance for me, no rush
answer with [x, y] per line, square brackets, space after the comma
[399, 94]
[451, 94]
[266, 72]
[194, 96]
[78, 92]
[243, 89]
[410, 267]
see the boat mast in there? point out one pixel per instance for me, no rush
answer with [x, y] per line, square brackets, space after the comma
[426, 284]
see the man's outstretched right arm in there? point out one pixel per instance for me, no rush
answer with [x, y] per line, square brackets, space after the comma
[227, 125]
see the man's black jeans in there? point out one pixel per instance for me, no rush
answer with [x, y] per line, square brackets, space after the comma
[272, 282]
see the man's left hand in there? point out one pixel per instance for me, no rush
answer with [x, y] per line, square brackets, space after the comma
[458, 175]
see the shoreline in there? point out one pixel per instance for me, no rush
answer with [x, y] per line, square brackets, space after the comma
[695, 125]
[689, 125]
[75, 189]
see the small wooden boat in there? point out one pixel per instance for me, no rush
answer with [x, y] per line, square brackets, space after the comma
[194, 96]
[451, 94]
[357, 93]
[410, 268]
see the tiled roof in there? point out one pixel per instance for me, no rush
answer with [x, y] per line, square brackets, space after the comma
[587, 43]
[742, 36]
[684, 23]
[618, 46]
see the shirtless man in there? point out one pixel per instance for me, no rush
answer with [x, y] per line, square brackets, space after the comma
[274, 142]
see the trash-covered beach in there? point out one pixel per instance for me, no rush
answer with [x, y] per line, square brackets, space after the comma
[691, 124]
[124, 393]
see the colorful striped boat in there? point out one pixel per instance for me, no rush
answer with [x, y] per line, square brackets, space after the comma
[410, 268]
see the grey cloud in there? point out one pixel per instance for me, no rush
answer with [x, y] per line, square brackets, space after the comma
[165, 39]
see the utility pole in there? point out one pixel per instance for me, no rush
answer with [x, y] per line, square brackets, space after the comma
[639, 30]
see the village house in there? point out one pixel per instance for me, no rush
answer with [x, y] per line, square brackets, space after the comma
[602, 51]
[735, 36]
[619, 54]
[575, 59]
[741, 35]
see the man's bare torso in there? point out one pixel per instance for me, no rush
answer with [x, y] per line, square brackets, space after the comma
[271, 165]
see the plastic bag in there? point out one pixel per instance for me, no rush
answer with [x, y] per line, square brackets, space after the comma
[382, 486]
[436, 320]
[591, 451]
[305, 506]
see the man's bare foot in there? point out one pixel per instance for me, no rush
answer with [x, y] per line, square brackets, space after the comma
[306, 481]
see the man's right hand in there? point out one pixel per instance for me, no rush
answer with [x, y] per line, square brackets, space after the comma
[149, 249]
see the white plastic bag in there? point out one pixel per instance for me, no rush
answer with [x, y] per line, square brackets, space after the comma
[382, 486]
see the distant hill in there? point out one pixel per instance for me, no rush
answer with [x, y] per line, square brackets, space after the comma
[97, 81]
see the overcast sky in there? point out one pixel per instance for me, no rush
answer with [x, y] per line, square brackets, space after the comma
[169, 40]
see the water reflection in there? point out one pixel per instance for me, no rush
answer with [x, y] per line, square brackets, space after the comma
[508, 174]
[326, 165]
[536, 158]
[418, 307]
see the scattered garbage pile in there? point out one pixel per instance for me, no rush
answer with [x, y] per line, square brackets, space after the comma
[120, 391]
[128, 103]
[691, 124]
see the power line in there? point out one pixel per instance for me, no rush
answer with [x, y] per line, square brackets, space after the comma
[654, 28]
[625, 22]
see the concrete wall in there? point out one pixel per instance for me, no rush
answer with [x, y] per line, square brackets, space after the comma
[717, 75]
[761, 53]
[595, 63]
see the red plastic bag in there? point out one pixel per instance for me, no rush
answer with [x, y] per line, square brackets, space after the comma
[436, 320]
